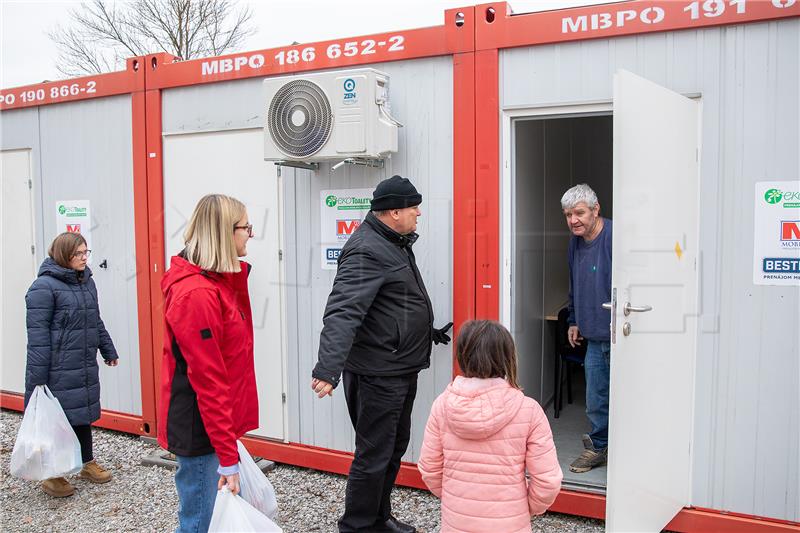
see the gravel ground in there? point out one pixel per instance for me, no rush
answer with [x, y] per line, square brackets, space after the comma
[143, 498]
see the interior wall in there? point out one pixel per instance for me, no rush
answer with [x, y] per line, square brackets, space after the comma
[527, 274]
[552, 155]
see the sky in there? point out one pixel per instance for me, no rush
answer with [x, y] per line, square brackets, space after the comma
[28, 56]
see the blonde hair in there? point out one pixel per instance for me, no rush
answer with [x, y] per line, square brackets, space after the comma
[209, 235]
[64, 247]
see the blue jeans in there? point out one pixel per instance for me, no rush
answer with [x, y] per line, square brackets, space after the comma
[597, 367]
[196, 481]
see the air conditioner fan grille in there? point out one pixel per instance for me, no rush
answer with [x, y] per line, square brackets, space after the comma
[299, 119]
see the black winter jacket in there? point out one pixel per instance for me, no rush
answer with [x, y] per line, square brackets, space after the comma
[64, 333]
[379, 318]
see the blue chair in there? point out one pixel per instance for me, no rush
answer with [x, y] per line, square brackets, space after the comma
[566, 357]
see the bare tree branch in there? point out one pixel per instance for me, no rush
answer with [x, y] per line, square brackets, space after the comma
[102, 33]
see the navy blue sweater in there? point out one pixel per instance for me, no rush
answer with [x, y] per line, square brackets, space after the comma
[590, 284]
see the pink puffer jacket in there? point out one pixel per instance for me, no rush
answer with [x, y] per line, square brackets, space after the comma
[482, 436]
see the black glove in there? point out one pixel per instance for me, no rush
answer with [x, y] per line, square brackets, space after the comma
[440, 336]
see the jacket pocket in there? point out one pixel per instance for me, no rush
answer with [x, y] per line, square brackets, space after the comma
[398, 338]
[55, 358]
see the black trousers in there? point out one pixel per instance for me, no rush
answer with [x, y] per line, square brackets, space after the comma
[380, 409]
[84, 434]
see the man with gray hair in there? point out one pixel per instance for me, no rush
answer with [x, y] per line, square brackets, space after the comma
[589, 287]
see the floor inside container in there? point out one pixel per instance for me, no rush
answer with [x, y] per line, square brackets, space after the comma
[568, 428]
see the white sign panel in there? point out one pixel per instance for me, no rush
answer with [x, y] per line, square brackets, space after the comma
[341, 212]
[776, 251]
[74, 216]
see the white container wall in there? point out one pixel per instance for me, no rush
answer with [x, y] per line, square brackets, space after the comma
[747, 396]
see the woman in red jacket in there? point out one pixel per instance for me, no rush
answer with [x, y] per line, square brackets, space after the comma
[208, 384]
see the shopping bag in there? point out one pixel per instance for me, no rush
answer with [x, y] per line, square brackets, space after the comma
[233, 514]
[46, 445]
[254, 485]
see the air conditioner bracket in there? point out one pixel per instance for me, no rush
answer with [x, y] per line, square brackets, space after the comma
[358, 161]
[298, 164]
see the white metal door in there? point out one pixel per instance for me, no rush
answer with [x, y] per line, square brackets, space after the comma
[18, 268]
[231, 162]
[656, 153]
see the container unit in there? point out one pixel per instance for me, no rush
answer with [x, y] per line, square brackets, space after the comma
[67, 146]
[206, 122]
[682, 116]
[674, 112]
[223, 152]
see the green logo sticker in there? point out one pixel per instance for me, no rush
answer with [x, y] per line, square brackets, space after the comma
[330, 201]
[62, 210]
[773, 196]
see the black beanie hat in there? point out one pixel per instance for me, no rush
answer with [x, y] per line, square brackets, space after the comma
[396, 192]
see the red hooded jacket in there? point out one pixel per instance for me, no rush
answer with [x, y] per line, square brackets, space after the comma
[208, 382]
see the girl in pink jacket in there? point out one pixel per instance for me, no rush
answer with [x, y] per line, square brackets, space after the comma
[488, 451]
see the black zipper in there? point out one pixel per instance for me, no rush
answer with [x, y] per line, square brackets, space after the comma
[85, 347]
[417, 278]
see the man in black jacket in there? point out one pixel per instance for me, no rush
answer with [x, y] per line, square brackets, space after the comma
[377, 334]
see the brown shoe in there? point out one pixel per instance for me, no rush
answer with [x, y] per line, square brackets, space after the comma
[590, 458]
[95, 473]
[58, 487]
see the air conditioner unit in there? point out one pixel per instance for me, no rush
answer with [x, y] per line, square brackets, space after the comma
[329, 116]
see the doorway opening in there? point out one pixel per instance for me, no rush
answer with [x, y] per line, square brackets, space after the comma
[550, 154]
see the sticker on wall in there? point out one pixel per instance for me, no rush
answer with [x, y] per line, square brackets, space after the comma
[74, 216]
[341, 212]
[776, 250]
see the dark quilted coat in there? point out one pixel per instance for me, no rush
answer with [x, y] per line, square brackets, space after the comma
[64, 333]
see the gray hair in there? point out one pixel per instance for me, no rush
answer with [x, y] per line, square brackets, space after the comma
[577, 194]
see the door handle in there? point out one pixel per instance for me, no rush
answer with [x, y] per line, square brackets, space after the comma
[608, 306]
[628, 309]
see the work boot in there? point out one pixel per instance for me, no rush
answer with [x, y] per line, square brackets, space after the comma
[58, 487]
[95, 473]
[590, 457]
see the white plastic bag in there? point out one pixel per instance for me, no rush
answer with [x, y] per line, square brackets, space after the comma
[256, 488]
[46, 445]
[234, 515]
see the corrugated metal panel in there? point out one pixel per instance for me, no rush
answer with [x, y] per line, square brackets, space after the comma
[747, 407]
[86, 154]
[422, 99]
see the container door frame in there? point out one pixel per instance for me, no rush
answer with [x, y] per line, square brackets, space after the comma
[211, 136]
[29, 229]
[507, 120]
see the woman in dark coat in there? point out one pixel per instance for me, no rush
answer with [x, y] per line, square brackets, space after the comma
[64, 333]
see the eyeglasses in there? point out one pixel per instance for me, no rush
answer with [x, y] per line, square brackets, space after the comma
[248, 227]
[85, 254]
